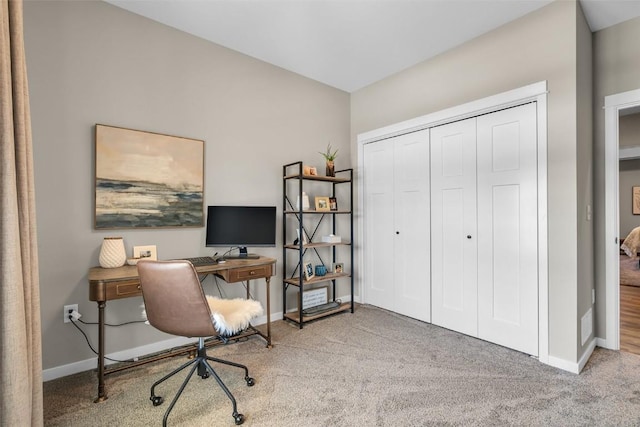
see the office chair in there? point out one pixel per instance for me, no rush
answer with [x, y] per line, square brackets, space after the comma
[175, 303]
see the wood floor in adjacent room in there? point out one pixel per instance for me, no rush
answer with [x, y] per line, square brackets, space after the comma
[630, 319]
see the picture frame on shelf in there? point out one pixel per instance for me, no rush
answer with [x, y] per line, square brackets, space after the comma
[146, 252]
[322, 204]
[308, 271]
[338, 267]
[309, 170]
[333, 203]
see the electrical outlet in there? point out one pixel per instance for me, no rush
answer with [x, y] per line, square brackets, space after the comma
[68, 309]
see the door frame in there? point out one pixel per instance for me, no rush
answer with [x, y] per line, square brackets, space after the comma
[613, 104]
[536, 92]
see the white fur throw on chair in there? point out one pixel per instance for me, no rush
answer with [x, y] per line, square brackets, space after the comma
[231, 316]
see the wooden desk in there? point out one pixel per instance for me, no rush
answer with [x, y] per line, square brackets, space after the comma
[106, 284]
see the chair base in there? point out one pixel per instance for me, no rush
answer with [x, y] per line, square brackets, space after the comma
[201, 362]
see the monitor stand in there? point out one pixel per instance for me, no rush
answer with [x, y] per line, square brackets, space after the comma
[242, 255]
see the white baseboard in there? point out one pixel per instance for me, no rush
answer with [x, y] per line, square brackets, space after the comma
[601, 342]
[573, 367]
[586, 355]
[565, 365]
[132, 353]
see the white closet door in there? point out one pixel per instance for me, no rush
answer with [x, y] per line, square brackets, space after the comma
[453, 227]
[379, 230]
[396, 225]
[411, 212]
[507, 228]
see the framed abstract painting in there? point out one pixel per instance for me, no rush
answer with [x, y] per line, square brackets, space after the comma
[147, 180]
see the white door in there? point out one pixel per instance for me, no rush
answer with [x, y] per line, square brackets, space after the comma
[453, 227]
[411, 213]
[507, 228]
[396, 224]
[379, 230]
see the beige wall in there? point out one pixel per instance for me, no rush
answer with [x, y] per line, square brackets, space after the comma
[616, 61]
[539, 46]
[90, 62]
[584, 182]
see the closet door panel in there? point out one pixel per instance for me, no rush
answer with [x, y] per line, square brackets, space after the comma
[507, 228]
[504, 242]
[453, 227]
[412, 240]
[452, 231]
[379, 229]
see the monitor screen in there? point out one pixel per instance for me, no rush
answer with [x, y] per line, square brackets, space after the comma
[241, 226]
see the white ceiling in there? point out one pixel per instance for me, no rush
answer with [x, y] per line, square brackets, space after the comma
[349, 44]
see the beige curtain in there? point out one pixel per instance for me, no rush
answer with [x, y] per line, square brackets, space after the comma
[20, 338]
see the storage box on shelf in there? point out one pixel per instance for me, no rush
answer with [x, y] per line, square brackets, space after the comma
[323, 237]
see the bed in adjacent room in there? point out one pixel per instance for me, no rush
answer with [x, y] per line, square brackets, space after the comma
[629, 260]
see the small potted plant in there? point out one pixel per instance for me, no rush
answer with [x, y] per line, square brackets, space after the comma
[330, 156]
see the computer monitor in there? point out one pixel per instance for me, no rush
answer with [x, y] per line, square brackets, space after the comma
[241, 226]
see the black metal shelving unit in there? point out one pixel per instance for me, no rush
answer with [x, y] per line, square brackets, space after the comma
[308, 223]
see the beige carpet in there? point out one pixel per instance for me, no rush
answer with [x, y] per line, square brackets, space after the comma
[629, 271]
[370, 368]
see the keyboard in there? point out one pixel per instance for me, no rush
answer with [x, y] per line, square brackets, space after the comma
[201, 260]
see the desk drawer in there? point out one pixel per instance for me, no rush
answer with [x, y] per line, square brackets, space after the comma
[242, 274]
[124, 289]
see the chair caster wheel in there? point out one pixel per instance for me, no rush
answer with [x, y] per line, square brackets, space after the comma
[204, 376]
[156, 400]
[250, 381]
[238, 418]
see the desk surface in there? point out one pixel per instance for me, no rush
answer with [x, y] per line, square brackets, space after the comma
[130, 272]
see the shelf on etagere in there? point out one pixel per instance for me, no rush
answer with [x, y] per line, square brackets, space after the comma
[295, 316]
[335, 179]
[295, 281]
[317, 245]
[313, 211]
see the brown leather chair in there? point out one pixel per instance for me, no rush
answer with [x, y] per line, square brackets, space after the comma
[175, 303]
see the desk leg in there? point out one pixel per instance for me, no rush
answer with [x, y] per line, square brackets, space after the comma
[268, 280]
[102, 395]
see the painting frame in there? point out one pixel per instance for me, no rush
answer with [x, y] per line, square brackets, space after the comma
[635, 200]
[333, 203]
[322, 204]
[149, 252]
[147, 180]
[309, 273]
[338, 268]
